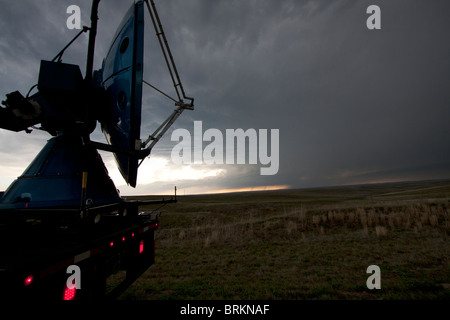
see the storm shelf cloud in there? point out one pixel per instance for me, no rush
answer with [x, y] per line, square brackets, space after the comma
[352, 105]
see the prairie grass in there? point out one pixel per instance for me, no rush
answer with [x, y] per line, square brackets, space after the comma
[304, 244]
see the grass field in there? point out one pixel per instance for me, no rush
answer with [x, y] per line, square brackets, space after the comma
[304, 244]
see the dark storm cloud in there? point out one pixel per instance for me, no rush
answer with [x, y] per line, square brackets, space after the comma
[347, 100]
[352, 105]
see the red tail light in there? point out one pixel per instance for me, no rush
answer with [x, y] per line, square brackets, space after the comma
[69, 294]
[28, 280]
[141, 246]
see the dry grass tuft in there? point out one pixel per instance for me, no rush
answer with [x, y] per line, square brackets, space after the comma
[380, 231]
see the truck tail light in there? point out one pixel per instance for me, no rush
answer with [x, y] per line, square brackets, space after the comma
[69, 294]
[28, 280]
[141, 246]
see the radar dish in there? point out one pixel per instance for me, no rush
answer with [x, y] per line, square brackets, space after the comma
[122, 75]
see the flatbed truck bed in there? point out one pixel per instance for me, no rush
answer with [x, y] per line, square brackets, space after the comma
[37, 247]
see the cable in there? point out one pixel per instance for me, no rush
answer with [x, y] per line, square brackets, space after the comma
[145, 82]
[28, 94]
[60, 54]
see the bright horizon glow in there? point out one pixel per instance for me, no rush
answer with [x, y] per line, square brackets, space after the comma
[196, 190]
[161, 169]
[248, 189]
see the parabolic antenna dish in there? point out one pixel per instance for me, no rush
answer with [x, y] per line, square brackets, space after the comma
[122, 75]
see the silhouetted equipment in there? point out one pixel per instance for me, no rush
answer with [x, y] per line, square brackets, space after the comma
[65, 196]
[69, 107]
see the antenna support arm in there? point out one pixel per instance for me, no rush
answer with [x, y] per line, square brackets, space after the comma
[92, 35]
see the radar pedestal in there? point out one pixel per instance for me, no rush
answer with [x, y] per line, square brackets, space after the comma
[66, 174]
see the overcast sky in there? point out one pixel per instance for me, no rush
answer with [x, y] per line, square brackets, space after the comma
[352, 105]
